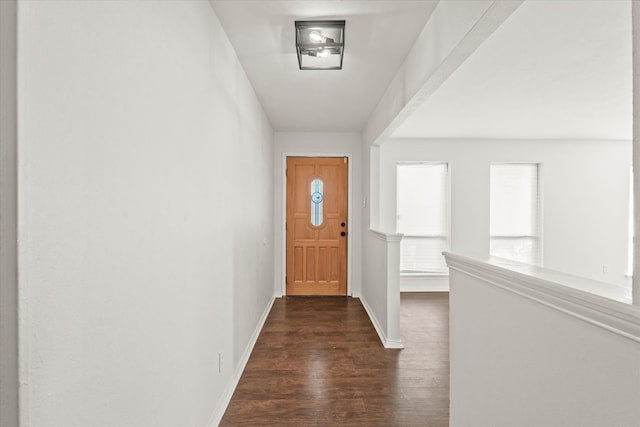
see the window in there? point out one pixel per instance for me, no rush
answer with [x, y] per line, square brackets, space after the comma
[514, 224]
[423, 217]
[317, 200]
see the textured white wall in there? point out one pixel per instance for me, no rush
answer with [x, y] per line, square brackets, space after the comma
[146, 212]
[318, 144]
[584, 187]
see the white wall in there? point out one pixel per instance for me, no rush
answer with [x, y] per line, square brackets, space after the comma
[446, 27]
[318, 144]
[381, 285]
[527, 352]
[584, 186]
[380, 292]
[146, 213]
[635, 24]
[454, 31]
[8, 216]
[374, 285]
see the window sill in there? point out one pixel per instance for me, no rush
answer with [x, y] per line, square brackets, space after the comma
[429, 275]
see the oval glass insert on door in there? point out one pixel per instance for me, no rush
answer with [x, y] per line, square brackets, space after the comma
[317, 200]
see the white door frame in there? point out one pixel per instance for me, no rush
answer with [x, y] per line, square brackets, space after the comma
[283, 222]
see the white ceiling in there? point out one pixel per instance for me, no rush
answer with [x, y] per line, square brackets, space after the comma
[553, 70]
[378, 36]
[556, 69]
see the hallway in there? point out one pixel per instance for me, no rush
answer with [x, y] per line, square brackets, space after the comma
[319, 361]
[143, 213]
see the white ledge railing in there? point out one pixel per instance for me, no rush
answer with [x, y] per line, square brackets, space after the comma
[605, 305]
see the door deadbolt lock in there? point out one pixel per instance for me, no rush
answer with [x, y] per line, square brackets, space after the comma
[342, 224]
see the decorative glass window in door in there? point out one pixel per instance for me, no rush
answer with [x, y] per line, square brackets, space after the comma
[317, 200]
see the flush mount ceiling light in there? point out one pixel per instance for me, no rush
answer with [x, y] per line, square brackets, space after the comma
[320, 44]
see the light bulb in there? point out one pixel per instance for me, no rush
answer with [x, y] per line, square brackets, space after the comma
[324, 53]
[316, 37]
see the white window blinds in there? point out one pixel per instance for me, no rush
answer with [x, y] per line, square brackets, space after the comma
[514, 221]
[423, 217]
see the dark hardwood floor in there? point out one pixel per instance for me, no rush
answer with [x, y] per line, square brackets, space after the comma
[319, 362]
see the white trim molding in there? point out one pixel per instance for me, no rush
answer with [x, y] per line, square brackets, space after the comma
[387, 343]
[604, 305]
[218, 413]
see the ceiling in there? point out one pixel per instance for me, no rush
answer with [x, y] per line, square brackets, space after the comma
[553, 70]
[378, 36]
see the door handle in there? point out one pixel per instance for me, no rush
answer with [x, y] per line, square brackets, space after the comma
[343, 234]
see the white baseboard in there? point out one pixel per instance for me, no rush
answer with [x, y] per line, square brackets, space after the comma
[424, 283]
[218, 413]
[374, 320]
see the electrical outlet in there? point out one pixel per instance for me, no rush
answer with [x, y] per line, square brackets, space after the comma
[605, 268]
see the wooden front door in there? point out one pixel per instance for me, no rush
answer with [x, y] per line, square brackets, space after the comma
[317, 225]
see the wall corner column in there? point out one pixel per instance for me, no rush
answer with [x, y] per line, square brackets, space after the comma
[394, 339]
[9, 386]
[635, 24]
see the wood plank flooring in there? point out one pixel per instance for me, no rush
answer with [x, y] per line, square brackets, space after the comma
[319, 362]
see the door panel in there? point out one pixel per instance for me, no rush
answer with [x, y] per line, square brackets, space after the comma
[316, 211]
